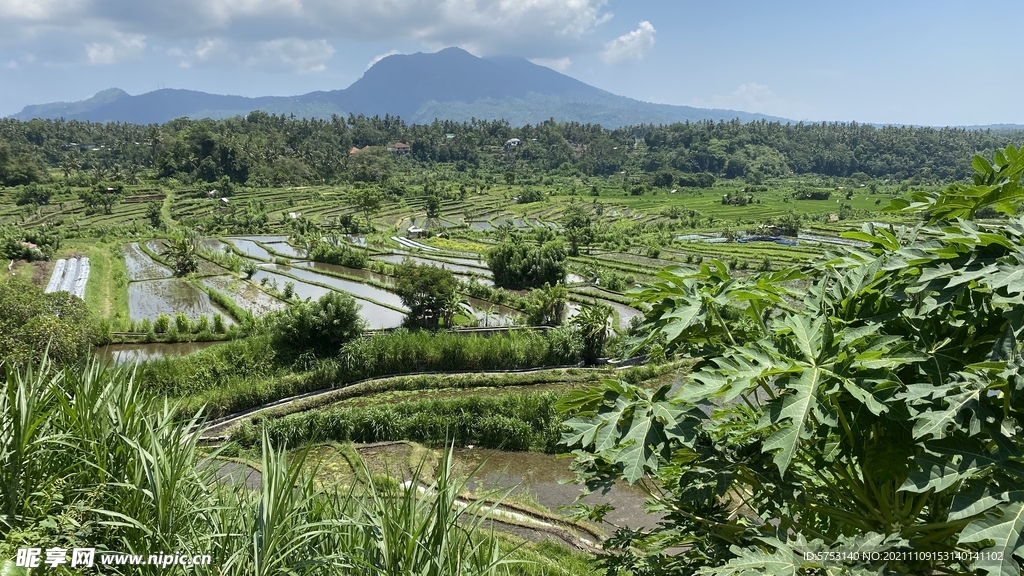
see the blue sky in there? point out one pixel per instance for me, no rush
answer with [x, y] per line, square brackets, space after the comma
[934, 63]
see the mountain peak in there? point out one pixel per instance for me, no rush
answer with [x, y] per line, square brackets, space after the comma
[450, 84]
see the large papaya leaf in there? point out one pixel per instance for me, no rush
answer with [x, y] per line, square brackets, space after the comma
[1004, 526]
[792, 413]
[631, 428]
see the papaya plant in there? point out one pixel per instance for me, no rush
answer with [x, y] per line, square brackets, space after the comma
[876, 428]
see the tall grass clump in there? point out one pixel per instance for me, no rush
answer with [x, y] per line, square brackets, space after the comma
[241, 374]
[235, 360]
[87, 459]
[403, 351]
[516, 421]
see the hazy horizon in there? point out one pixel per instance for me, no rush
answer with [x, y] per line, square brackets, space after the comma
[916, 63]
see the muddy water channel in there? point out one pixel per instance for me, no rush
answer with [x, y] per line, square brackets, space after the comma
[141, 266]
[376, 316]
[116, 354]
[151, 298]
[537, 477]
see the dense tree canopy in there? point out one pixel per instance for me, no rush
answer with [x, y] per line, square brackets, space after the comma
[320, 327]
[428, 292]
[34, 325]
[266, 150]
[527, 261]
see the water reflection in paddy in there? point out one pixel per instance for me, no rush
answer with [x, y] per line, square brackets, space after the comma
[250, 248]
[116, 354]
[141, 266]
[540, 476]
[399, 258]
[357, 272]
[355, 288]
[245, 294]
[285, 249]
[149, 299]
[376, 316]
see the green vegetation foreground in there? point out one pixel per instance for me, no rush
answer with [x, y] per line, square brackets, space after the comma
[88, 460]
[877, 429]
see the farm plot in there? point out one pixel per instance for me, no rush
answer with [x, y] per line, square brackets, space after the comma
[624, 313]
[70, 276]
[151, 298]
[457, 268]
[376, 316]
[251, 249]
[285, 249]
[356, 289]
[141, 266]
[245, 294]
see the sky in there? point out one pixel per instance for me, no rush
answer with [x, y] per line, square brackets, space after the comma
[937, 62]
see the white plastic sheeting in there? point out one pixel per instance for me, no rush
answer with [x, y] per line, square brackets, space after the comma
[70, 276]
[58, 275]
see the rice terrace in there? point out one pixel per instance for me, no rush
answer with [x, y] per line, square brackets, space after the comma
[361, 346]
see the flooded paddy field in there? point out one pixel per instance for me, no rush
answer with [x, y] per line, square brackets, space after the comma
[251, 249]
[356, 289]
[213, 245]
[141, 266]
[376, 316]
[625, 313]
[488, 314]
[150, 298]
[539, 477]
[286, 249]
[457, 268]
[356, 272]
[245, 294]
[116, 354]
[263, 238]
[158, 247]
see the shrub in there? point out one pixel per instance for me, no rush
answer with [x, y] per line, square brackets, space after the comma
[162, 323]
[182, 323]
[320, 327]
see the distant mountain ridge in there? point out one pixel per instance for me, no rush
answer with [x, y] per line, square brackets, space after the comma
[449, 85]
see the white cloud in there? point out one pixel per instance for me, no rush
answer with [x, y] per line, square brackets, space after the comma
[749, 97]
[11, 65]
[279, 55]
[124, 47]
[560, 64]
[380, 57]
[550, 29]
[37, 10]
[630, 46]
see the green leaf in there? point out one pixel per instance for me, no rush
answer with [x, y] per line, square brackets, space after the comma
[933, 472]
[981, 165]
[1002, 525]
[937, 422]
[756, 562]
[969, 503]
[792, 413]
[8, 568]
